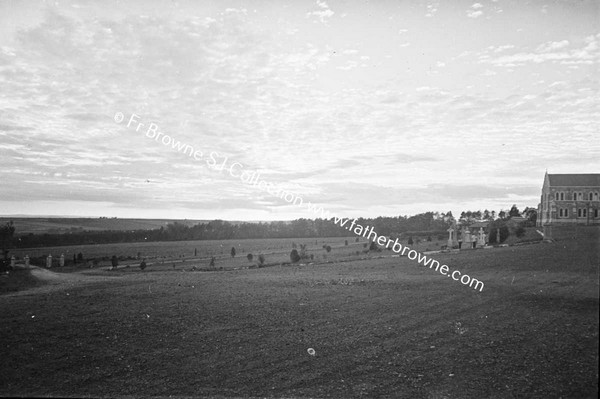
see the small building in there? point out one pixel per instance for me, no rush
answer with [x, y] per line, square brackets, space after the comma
[569, 199]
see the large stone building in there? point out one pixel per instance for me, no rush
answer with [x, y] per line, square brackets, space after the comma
[570, 199]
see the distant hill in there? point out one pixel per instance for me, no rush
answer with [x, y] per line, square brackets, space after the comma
[51, 225]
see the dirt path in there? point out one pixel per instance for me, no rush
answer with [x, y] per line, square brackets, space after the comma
[56, 281]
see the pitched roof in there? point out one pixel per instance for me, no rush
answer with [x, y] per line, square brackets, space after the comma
[586, 180]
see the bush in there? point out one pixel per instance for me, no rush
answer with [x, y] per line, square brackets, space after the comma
[261, 259]
[520, 231]
[233, 252]
[504, 232]
[373, 246]
[328, 248]
[410, 240]
[294, 256]
[429, 238]
[250, 257]
[346, 243]
[303, 253]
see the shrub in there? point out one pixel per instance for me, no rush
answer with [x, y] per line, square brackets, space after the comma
[429, 238]
[303, 254]
[294, 256]
[520, 231]
[328, 248]
[410, 241]
[504, 232]
[233, 252]
[373, 246]
[346, 243]
[261, 259]
[250, 257]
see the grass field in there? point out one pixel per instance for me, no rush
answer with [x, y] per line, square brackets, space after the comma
[58, 225]
[274, 250]
[379, 327]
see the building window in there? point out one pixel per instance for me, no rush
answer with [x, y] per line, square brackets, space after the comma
[595, 196]
[574, 196]
[562, 196]
[595, 213]
[579, 212]
[560, 213]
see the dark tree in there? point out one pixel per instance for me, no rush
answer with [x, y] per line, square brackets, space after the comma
[520, 231]
[504, 232]
[410, 240]
[6, 240]
[514, 211]
[346, 243]
[294, 256]
[233, 252]
[261, 259]
[250, 257]
[328, 248]
[373, 246]
[80, 257]
[531, 215]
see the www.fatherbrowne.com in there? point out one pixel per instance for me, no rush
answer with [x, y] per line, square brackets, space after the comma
[252, 178]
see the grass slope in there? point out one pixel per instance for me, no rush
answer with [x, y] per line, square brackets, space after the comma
[380, 328]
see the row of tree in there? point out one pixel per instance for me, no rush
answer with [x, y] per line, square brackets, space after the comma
[425, 223]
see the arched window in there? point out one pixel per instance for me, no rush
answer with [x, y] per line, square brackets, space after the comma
[591, 195]
[562, 196]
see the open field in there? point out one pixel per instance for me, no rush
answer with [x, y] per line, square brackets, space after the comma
[380, 328]
[41, 225]
[275, 251]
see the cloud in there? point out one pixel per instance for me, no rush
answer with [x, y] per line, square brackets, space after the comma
[323, 13]
[557, 52]
[432, 9]
[552, 46]
[475, 11]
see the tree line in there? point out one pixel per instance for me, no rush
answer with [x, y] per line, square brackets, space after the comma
[427, 223]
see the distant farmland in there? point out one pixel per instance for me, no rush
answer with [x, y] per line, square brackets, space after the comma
[69, 225]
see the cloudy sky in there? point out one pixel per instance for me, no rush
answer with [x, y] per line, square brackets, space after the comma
[364, 108]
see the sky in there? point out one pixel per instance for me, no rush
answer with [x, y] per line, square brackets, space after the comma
[363, 108]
